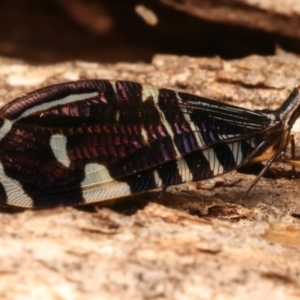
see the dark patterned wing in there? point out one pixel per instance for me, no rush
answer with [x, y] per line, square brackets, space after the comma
[94, 140]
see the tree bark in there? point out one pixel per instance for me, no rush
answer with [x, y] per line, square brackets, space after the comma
[199, 241]
[279, 16]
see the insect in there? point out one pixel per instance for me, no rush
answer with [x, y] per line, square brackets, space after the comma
[93, 140]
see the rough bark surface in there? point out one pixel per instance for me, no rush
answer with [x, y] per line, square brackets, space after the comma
[197, 242]
[280, 16]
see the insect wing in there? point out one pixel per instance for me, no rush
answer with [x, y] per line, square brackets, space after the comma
[94, 140]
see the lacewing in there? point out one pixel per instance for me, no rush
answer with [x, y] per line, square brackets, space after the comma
[93, 140]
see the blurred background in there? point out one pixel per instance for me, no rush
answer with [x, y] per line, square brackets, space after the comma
[127, 30]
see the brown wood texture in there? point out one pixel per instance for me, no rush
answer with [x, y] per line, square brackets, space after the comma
[199, 241]
[280, 16]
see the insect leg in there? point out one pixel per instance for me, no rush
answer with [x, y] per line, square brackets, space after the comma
[164, 188]
[293, 154]
[261, 173]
